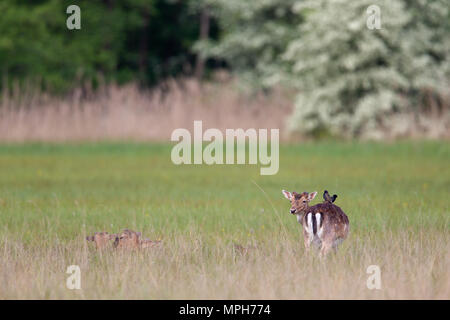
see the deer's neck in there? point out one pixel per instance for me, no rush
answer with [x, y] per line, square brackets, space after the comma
[301, 215]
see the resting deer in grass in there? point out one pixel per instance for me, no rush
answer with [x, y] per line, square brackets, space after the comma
[130, 239]
[101, 239]
[325, 225]
[127, 239]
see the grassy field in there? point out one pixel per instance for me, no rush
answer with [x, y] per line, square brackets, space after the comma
[52, 196]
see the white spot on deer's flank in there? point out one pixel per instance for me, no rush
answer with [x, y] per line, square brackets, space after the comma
[319, 228]
[310, 225]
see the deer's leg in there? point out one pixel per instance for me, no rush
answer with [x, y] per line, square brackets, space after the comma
[336, 243]
[307, 241]
[326, 246]
[307, 245]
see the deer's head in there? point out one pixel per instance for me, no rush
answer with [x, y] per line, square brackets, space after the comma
[101, 239]
[127, 239]
[299, 201]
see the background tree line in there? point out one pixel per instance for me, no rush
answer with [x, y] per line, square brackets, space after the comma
[120, 40]
[350, 80]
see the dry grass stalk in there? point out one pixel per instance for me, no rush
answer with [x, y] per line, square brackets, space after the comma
[129, 113]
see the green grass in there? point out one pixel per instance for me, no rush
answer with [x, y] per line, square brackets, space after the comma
[51, 196]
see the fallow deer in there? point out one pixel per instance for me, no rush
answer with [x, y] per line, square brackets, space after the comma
[130, 239]
[101, 239]
[127, 239]
[325, 225]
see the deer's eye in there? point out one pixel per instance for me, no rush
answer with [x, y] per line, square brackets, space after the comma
[304, 201]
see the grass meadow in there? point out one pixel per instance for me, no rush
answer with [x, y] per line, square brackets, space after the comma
[52, 196]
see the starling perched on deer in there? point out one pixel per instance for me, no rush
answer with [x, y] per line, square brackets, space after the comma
[326, 197]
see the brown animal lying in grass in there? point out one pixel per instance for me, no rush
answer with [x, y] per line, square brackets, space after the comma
[130, 239]
[127, 239]
[101, 239]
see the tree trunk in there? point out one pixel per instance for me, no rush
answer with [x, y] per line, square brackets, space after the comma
[204, 32]
[143, 46]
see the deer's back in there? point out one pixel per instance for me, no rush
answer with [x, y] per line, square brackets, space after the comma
[332, 216]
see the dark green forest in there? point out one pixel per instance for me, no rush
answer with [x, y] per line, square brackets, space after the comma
[119, 40]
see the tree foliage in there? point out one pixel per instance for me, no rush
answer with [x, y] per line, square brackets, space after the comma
[119, 39]
[350, 79]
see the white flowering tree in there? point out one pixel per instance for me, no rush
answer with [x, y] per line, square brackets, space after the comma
[351, 76]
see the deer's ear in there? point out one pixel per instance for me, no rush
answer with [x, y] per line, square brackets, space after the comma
[312, 195]
[287, 194]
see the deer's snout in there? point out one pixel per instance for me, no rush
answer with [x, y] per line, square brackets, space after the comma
[293, 210]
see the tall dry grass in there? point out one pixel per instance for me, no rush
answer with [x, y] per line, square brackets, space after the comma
[124, 113]
[131, 113]
[413, 266]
